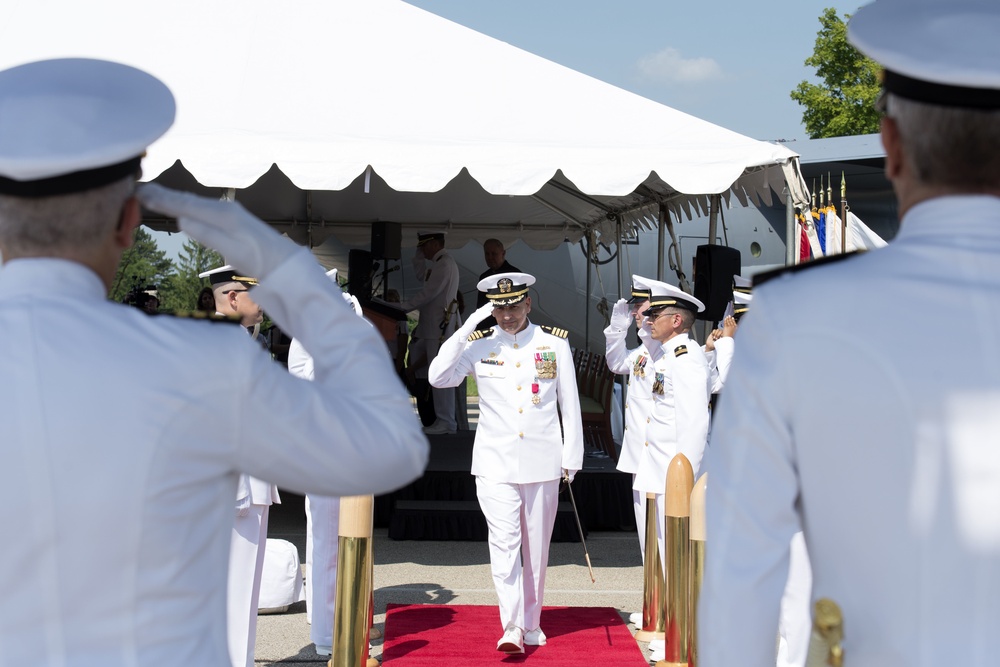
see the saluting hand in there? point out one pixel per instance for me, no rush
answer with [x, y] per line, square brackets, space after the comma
[621, 318]
[247, 242]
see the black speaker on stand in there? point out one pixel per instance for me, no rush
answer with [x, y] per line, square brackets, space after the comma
[714, 268]
[387, 240]
[359, 274]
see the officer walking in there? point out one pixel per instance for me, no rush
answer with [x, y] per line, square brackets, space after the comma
[848, 414]
[526, 381]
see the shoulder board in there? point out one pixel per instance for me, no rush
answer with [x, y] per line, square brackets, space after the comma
[764, 276]
[680, 350]
[481, 333]
[200, 315]
[555, 331]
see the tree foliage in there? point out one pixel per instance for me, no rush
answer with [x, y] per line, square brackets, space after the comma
[843, 105]
[141, 265]
[183, 285]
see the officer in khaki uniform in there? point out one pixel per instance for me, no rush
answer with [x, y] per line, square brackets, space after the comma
[526, 379]
[852, 414]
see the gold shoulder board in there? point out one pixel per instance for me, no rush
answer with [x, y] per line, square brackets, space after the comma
[555, 331]
[680, 350]
[481, 333]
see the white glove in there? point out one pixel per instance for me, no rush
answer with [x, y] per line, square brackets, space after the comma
[646, 330]
[243, 506]
[353, 302]
[419, 263]
[569, 475]
[621, 316]
[246, 242]
[474, 319]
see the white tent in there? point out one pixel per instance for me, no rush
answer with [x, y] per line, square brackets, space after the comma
[323, 116]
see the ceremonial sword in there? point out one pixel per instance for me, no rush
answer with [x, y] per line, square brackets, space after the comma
[579, 527]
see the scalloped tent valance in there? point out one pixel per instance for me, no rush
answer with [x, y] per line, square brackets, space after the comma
[323, 116]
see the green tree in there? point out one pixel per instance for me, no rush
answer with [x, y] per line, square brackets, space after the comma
[142, 264]
[843, 105]
[183, 285]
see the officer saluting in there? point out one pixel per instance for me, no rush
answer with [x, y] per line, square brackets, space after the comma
[849, 413]
[678, 423]
[526, 379]
[124, 434]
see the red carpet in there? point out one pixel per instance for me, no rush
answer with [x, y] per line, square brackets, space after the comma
[439, 635]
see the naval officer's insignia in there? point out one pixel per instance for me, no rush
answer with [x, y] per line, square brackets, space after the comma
[680, 350]
[505, 285]
[555, 331]
[481, 333]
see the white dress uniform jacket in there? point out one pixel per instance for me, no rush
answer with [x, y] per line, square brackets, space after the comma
[719, 360]
[849, 416]
[435, 299]
[123, 438]
[517, 440]
[637, 363]
[679, 421]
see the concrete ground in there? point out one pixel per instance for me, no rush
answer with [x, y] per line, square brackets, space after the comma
[412, 572]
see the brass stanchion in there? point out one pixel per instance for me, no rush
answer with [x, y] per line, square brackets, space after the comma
[354, 592]
[677, 518]
[697, 562]
[653, 582]
[826, 641]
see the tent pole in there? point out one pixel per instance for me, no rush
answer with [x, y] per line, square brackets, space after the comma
[790, 229]
[713, 219]
[619, 225]
[586, 318]
[659, 245]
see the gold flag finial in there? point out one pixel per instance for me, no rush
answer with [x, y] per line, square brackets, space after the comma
[843, 187]
[829, 189]
[814, 195]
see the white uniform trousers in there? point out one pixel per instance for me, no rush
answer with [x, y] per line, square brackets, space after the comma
[322, 545]
[246, 563]
[639, 507]
[444, 399]
[795, 619]
[520, 519]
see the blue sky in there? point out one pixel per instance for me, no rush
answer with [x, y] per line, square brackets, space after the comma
[729, 62]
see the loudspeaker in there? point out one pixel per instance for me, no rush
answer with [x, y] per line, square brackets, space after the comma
[714, 268]
[359, 274]
[387, 239]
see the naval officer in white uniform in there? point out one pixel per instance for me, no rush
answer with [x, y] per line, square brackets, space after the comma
[437, 303]
[884, 450]
[637, 364]
[526, 379]
[322, 522]
[254, 497]
[678, 423]
[121, 483]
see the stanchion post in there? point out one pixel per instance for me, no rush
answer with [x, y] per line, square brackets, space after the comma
[697, 562]
[354, 593]
[653, 582]
[677, 518]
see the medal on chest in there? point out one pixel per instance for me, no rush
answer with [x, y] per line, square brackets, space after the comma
[535, 398]
[639, 367]
[658, 384]
[545, 365]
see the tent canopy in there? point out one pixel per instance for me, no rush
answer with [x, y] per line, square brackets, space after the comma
[323, 116]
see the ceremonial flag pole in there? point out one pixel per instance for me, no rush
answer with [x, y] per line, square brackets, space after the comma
[843, 213]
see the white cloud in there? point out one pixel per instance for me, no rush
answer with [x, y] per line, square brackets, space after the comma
[669, 66]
